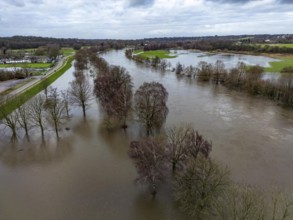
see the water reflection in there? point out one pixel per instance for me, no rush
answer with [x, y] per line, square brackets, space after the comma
[35, 153]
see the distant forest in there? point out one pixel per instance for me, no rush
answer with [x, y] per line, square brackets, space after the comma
[254, 43]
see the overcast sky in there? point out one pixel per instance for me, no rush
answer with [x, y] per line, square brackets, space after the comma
[132, 19]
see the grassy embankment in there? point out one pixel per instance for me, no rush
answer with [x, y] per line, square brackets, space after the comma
[13, 103]
[153, 53]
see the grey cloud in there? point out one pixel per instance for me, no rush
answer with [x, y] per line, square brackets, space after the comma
[246, 1]
[286, 1]
[230, 1]
[17, 3]
[22, 3]
[141, 3]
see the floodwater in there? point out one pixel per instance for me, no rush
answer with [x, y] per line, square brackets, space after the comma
[189, 57]
[88, 175]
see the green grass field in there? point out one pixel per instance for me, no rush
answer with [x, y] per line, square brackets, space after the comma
[153, 53]
[278, 66]
[12, 104]
[27, 65]
[66, 51]
[27, 50]
[277, 45]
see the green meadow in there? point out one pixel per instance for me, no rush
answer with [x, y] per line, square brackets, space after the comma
[277, 45]
[279, 65]
[66, 51]
[27, 65]
[153, 53]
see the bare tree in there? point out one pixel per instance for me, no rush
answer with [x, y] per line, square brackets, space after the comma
[177, 148]
[241, 68]
[55, 109]
[184, 144]
[81, 92]
[198, 145]
[219, 71]
[179, 68]
[150, 105]
[114, 91]
[24, 118]
[149, 158]
[240, 202]
[246, 202]
[10, 120]
[53, 51]
[204, 71]
[37, 111]
[66, 100]
[163, 65]
[198, 187]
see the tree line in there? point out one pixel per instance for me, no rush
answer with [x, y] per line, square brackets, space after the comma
[113, 87]
[180, 157]
[50, 108]
[241, 77]
[248, 79]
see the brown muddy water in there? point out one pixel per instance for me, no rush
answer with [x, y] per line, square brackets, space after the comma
[88, 175]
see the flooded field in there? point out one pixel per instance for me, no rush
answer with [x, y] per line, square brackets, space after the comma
[88, 175]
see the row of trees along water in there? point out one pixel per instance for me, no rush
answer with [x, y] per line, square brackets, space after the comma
[241, 77]
[49, 108]
[179, 158]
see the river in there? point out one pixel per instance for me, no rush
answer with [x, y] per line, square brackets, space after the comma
[88, 175]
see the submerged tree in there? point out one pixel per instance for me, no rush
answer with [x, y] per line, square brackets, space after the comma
[24, 118]
[199, 186]
[150, 105]
[150, 160]
[177, 148]
[246, 202]
[179, 68]
[37, 111]
[10, 120]
[240, 202]
[55, 108]
[204, 71]
[114, 91]
[184, 144]
[80, 91]
[219, 71]
[66, 100]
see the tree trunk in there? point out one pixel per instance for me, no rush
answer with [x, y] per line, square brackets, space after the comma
[83, 109]
[42, 131]
[56, 130]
